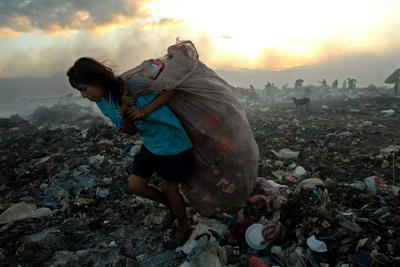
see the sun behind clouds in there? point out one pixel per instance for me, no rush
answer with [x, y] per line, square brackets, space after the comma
[284, 32]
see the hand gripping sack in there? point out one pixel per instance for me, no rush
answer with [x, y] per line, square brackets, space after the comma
[226, 154]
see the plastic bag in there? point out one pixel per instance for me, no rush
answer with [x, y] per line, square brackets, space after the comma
[226, 154]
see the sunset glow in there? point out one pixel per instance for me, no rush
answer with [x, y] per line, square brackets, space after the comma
[229, 35]
[293, 29]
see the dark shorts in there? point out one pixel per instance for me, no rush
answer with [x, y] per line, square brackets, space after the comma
[174, 168]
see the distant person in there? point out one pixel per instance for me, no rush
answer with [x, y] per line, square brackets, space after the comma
[352, 84]
[274, 89]
[166, 147]
[268, 89]
[335, 84]
[298, 84]
[324, 83]
[344, 86]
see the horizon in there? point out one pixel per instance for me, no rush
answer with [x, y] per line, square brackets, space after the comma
[14, 89]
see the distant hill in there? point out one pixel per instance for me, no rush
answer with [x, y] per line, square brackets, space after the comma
[12, 89]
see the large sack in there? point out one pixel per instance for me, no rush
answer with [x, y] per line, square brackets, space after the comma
[226, 154]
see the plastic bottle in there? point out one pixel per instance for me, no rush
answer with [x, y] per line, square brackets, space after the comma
[158, 66]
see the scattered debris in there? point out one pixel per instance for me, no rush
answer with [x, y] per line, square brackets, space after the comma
[327, 192]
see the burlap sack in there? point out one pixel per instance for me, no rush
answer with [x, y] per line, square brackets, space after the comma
[226, 154]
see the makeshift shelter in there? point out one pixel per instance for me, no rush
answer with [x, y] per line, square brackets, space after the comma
[395, 76]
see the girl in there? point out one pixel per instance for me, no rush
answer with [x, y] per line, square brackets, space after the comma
[166, 147]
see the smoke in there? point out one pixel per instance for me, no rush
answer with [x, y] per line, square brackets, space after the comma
[123, 48]
[367, 67]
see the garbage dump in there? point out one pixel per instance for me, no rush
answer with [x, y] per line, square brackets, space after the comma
[327, 192]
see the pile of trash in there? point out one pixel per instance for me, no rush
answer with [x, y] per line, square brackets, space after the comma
[26, 106]
[327, 193]
[71, 114]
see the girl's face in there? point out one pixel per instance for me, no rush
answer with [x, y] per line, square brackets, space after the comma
[92, 92]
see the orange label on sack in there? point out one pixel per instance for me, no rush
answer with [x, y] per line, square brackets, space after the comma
[209, 122]
[225, 146]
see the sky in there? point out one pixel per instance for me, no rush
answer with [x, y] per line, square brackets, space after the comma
[246, 42]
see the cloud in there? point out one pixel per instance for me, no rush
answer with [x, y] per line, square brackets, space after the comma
[51, 16]
[163, 23]
[7, 33]
[274, 59]
[327, 53]
[124, 48]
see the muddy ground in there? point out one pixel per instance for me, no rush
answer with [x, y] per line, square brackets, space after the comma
[80, 176]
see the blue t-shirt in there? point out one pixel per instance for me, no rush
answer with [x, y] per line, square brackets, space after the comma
[161, 130]
[111, 110]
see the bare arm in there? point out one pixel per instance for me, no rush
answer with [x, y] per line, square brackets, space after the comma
[158, 101]
[128, 126]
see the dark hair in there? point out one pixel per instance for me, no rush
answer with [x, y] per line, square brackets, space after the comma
[87, 70]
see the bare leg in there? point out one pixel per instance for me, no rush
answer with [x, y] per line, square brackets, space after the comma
[140, 186]
[177, 205]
